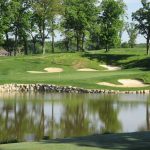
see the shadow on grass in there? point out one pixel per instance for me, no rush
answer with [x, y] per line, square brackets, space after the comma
[134, 141]
[114, 59]
[111, 59]
[143, 64]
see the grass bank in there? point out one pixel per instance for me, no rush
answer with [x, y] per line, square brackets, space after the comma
[134, 62]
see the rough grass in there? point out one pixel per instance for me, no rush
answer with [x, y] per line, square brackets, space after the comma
[134, 62]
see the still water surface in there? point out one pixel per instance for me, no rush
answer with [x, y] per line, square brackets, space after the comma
[33, 116]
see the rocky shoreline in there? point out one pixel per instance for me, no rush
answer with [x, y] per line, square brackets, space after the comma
[61, 89]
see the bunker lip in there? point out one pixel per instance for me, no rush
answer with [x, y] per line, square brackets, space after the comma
[131, 83]
[87, 70]
[48, 70]
[111, 68]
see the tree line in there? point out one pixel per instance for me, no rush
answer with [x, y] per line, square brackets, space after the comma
[90, 24]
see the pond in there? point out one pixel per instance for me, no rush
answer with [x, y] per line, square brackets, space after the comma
[37, 116]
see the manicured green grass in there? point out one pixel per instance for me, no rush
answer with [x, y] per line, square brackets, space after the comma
[125, 141]
[134, 62]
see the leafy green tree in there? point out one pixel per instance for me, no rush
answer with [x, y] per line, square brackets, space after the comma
[78, 17]
[142, 16]
[41, 9]
[54, 13]
[33, 31]
[6, 17]
[111, 22]
[132, 32]
[20, 24]
[46, 13]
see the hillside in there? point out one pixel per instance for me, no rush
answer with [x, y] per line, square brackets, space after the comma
[134, 64]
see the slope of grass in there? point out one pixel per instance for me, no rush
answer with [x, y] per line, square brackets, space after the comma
[134, 62]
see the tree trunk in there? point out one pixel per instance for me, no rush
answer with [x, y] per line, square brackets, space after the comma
[16, 42]
[67, 44]
[34, 46]
[107, 47]
[43, 37]
[7, 43]
[25, 46]
[83, 37]
[43, 46]
[78, 41]
[53, 35]
[147, 45]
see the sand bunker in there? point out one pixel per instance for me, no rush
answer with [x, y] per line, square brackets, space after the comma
[111, 68]
[48, 70]
[52, 70]
[125, 83]
[86, 69]
[36, 72]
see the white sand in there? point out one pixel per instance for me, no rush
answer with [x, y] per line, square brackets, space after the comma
[36, 72]
[48, 70]
[126, 83]
[111, 68]
[52, 70]
[87, 69]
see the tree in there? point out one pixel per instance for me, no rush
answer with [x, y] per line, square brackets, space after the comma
[6, 17]
[41, 9]
[78, 18]
[46, 12]
[110, 22]
[19, 24]
[142, 16]
[55, 11]
[132, 32]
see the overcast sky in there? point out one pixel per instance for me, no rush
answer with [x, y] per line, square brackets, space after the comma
[132, 6]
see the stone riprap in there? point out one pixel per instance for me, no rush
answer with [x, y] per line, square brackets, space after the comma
[61, 89]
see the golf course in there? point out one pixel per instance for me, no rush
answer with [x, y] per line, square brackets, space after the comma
[79, 69]
[74, 74]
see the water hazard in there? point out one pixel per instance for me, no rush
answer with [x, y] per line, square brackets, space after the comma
[37, 116]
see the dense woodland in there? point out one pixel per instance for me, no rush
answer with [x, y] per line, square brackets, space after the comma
[31, 26]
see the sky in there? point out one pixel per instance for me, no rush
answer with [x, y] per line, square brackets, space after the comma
[132, 6]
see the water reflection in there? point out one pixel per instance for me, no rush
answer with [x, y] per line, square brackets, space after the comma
[32, 116]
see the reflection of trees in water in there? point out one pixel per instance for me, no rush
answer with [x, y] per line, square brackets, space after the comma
[108, 115]
[17, 121]
[147, 116]
[27, 119]
[146, 126]
[6, 123]
[74, 120]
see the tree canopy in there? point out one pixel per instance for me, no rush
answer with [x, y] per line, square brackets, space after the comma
[142, 16]
[25, 24]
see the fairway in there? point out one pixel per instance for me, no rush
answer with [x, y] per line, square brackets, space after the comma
[78, 69]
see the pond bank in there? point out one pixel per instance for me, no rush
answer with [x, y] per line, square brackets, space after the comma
[61, 89]
[125, 141]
